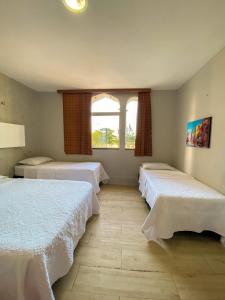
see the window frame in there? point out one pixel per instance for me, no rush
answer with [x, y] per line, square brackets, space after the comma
[132, 99]
[99, 97]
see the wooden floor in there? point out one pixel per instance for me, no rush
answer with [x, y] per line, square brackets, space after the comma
[114, 261]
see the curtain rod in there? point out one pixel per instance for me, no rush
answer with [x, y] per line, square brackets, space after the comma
[134, 90]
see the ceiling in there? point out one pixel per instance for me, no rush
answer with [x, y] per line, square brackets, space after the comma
[113, 44]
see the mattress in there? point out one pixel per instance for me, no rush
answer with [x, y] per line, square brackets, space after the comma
[41, 222]
[179, 203]
[92, 172]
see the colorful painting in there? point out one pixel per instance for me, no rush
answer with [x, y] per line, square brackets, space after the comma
[198, 133]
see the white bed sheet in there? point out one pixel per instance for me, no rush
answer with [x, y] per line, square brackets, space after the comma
[92, 172]
[41, 222]
[179, 203]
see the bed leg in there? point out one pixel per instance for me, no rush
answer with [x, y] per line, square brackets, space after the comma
[222, 240]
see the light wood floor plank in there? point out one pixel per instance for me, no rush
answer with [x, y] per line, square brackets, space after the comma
[147, 261]
[217, 263]
[67, 295]
[201, 287]
[125, 283]
[99, 257]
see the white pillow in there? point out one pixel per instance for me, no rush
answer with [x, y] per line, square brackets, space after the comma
[34, 161]
[2, 178]
[157, 166]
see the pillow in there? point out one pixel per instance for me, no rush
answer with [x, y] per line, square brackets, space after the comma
[34, 161]
[2, 178]
[157, 166]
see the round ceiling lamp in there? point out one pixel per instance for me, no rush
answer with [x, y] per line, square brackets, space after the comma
[76, 6]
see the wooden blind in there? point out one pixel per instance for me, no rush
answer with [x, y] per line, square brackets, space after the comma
[143, 143]
[77, 123]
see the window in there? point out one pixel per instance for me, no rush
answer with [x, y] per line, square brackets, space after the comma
[105, 121]
[131, 123]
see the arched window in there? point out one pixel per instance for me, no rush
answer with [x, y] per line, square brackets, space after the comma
[105, 121]
[131, 123]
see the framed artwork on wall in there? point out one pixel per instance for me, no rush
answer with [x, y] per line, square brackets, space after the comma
[199, 133]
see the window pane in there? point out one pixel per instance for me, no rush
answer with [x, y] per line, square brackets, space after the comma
[131, 123]
[105, 104]
[105, 131]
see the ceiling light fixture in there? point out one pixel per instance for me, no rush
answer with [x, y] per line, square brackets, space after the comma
[76, 6]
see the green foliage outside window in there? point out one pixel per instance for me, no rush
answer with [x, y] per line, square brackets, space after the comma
[105, 138]
[130, 138]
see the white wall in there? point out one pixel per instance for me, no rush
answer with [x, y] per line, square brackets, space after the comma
[204, 95]
[121, 164]
[21, 107]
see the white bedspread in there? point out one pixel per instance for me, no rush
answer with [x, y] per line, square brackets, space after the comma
[92, 172]
[179, 203]
[41, 222]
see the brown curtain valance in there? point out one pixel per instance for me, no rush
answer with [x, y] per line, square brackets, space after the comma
[77, 123]
[143, 143]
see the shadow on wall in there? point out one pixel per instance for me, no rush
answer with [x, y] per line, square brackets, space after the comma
[189, 154]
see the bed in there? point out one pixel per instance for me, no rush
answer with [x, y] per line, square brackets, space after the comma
[92, 172]
[41, 222]
[179, 203]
